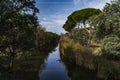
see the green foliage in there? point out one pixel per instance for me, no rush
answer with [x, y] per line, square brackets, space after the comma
[18, 32]
[80, 16]
[13, 6]
[45, 39]
[79, 35]
[111, 47]
[108, 22]
[99, 26]
[111, 8]
[17, 27]
[69, 25]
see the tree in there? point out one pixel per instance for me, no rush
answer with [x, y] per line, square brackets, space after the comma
[17, 27]
[79, 19]
[107, 29]
[108, 22]
[45, 39]
[10, 6]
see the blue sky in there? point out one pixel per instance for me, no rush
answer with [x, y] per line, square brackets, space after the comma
[53, 13]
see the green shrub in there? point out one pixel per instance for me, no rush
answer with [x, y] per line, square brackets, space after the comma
[111, 47]
[79, 35]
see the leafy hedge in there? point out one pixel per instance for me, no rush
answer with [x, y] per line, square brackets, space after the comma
[111, 47]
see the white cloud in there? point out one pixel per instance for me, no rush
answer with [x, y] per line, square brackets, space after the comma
[93, 3]
[97, 4]
[54, 23]
[54, 19]
[46, 22]
[60, 21]
[56, 29]
[44, 19]
[54, 3]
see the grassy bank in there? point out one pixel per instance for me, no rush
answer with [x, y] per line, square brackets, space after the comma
[90, 58]
[77, 54]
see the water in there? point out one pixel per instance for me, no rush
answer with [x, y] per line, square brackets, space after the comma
[53, 68]
[56, 69]
[48, 66]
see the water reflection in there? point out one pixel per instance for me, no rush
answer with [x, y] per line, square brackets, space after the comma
[77, 72]
[53, 69]
[80, 73]
[49, 66]
[27, 68]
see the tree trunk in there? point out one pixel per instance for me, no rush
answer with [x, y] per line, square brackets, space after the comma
[12, 55]
[89, 33]
[11, 61]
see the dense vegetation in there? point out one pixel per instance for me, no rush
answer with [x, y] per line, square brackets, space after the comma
[45, 39]
[107, 28]
[17, 27]
[92, 42]
[98, 35]
[100, 25]
[111, 47]
[20, 31]
[79, 19]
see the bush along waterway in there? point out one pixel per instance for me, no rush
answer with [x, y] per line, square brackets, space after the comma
[86, 63]
[56, 68]
[65, 60]
[47, 65]
[52, 64]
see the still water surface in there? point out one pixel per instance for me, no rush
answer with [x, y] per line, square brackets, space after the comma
[53, 68]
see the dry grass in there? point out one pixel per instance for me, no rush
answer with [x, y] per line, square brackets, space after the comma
[96, 48]
[89, 58]
[77, 53]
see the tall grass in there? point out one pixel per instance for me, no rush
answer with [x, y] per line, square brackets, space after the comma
[77, 53]
[89, 58]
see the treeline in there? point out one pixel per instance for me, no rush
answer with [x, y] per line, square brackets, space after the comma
[92, 26]
[19, 30]
[45, 39]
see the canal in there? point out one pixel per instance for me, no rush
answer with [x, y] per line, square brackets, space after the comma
[47, 65]
[56, 69]
[53, 68]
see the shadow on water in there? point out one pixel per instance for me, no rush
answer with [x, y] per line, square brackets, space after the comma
[76, 72]
[27, 67]
[80, 73]
[47, 65]
[53, 68]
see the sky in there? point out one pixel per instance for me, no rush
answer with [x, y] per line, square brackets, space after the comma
[54, 13]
